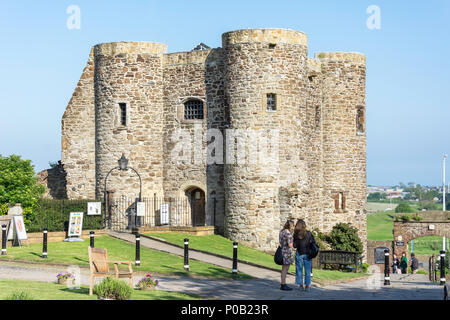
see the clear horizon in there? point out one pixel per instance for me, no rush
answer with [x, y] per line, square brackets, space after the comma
[407, 66]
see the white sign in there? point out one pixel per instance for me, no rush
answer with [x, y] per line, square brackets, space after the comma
[75, 224]
[94, 208]
[140, 209]
[17, 228]
[164, 210]
[431, 227]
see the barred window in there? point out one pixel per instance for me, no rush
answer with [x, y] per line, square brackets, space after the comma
[271, 102]
[193, 109]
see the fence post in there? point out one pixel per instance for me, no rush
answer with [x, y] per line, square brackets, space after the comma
[186, 254]
[92, 235]
[235, 252]
[215, 204]
[387, 278]
[4, 240]
[442, 268]
[44, 244]
[138, 250]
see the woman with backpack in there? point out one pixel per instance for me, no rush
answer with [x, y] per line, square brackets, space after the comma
[305, 243]
[286, 243]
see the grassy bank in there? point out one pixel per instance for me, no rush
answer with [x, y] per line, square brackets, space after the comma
[76, 253]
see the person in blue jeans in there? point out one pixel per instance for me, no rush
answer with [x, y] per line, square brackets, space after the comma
[302, 242]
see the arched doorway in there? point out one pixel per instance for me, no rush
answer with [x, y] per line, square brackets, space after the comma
[196, 198]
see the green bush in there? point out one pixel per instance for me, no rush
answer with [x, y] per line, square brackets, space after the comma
[321, 239]
[3, 209]
[345, 237]
[404, 218]
[417, 218]
[404, 208]
[111, 288]
[19, 295]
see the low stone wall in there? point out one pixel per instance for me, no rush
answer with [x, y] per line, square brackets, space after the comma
[371, 245]
[37, 237]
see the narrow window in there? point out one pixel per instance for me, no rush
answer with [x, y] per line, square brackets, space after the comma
[340, 202]
[271, 102]
[360, 122]
[123, 114]
[193, 109]
[272, 45]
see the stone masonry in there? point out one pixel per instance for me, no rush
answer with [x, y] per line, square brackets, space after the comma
[320, 170]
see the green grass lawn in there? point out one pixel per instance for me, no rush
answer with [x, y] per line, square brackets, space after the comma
[152, 261]
[380, 226]
[53, 291]
[221, 245]
[427, 245]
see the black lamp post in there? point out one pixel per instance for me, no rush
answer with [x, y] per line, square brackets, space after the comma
[123, 166]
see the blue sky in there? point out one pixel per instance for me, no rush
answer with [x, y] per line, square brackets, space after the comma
[408, 81]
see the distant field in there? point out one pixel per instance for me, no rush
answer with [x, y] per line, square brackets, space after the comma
[380, 226]
[378, 206]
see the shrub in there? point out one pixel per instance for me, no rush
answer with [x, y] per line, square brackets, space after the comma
[404, 208]
[111, 288]
[321, 239]
[345, 237]
[417, 218]
[3, 209]
[404, 218]
[19, 295]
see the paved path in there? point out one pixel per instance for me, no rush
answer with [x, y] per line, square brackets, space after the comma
[403, 287]
[255, 272]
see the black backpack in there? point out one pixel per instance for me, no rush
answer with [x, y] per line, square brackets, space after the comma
[278, 257]
[313, 247]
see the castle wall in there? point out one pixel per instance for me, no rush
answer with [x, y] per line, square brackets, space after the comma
[131, 73]
[344, 142]
[320, 155]
[78, 138]
[261, 62]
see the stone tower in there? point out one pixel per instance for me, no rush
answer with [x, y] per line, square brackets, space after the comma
[129, 114]
[293, 128]
[262, 63]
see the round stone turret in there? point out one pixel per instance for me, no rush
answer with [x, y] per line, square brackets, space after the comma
[265, 85]
[129, 115]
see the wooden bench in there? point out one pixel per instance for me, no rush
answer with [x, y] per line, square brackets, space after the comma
[341, 258]
[99, 267]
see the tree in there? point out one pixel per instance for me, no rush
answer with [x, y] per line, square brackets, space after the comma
[404, 208]
[345, 237]
[18, 183]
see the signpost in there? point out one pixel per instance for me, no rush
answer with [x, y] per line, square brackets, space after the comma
[16, 230]
[94, 208]
[164, 210]
[75, 227]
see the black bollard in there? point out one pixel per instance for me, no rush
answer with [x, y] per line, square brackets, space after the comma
[235, 267]
[44, 244]
[442, 268]
[138, 250]
[4, 240]
[92, 234]
[387, 278]
[186, 254]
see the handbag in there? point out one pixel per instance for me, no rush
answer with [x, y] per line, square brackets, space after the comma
[278, 257]
[313, 248]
